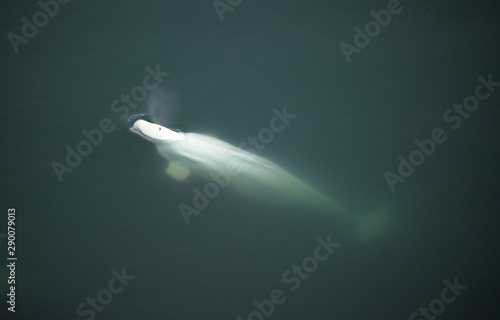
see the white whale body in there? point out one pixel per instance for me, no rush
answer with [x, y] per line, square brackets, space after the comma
[246, 172]
[243, 171]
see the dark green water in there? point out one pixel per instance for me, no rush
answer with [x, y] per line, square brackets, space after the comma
[118, 209]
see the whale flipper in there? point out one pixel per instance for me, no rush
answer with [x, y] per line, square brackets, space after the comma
[178, 171]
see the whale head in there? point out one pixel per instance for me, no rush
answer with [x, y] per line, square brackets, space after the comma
[155, 133]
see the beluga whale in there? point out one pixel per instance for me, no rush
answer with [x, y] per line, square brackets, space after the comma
[243, 171]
